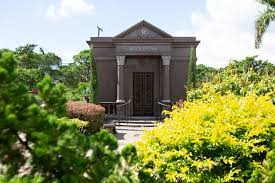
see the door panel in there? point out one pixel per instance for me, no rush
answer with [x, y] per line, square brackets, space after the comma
[137, 99]
[143, 93]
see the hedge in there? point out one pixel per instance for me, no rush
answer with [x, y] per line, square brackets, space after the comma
[84, 126]
[223, 139]
[94, 114]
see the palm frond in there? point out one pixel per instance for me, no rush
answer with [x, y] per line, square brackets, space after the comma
[270, 3]
[262, 24]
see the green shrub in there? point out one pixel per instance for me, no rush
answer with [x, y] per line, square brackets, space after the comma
[22, 180]
[191, 82]
[240, 78]
[32, 138]
[30, 77]
[31, 135]
[265, 172]
[79, 93]
[239, 84]
[52, 96]
[243, 66]
[222, 139]
[84, 126]
[73, 94]
[204, 73]
[92, 113]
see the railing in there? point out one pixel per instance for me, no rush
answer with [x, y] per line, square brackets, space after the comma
[166, 106]
[110, 109]
[127, 111]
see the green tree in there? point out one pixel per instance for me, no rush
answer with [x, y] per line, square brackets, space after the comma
[29, 77]
[239, 77]
[26, 56]
[204, 73]
[87, 68]
[32, 136]
[40, 63]
[4, 50]
[70, 75]
[83, 59]
[250, 63]
[52, 96]
[49, 63]
[28, 129]
[93, 82]
[264, 20]
[191, 83]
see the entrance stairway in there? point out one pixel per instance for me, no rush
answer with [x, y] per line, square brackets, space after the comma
[137, 122]
[129, 131]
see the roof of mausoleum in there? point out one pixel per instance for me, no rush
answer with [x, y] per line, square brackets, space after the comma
[143, 31]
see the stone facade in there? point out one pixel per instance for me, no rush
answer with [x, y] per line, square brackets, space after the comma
[143, 48]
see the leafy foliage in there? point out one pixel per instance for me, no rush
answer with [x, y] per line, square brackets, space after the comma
[83, 59]
[28, 58]
[70, 75]
[34, 65]
[30, 77]
[93, 81]
[22, 180]
[250, 63]
[264, 20]
[77, 94]
[223, 133]
[30, 135]
[87, 112]
[80, 77]
[84, 126]
[221, 139]
[265, 172]
[52, 96]
[35, 141]
[191, 83]
[204, 74]
[241, 78]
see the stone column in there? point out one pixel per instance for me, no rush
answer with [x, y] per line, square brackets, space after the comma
[166, 79]
[120, 79]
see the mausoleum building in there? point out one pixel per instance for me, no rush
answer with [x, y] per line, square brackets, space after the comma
[142, 66]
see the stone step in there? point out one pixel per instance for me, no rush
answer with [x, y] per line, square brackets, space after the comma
[137, 121]
[145, 118]
[135, 124]
[133, 129]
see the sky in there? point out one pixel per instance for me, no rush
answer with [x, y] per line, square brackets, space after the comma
[224, 27]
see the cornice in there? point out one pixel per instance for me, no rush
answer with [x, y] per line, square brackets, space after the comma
[141, 40]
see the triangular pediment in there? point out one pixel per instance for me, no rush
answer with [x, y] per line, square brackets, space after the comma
[143, 30]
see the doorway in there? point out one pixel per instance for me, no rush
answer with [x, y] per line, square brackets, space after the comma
[143, 99]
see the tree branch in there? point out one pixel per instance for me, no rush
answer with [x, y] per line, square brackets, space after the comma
[24, 143]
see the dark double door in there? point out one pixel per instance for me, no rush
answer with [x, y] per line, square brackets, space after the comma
[143, 98]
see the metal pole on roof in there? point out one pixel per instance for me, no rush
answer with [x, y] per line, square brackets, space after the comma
[99, 30]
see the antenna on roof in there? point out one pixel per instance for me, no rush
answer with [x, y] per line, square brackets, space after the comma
[99, 30]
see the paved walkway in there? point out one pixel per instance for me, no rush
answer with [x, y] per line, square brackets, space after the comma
[130, 132]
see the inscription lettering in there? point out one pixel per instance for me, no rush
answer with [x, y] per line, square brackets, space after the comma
[143, 49]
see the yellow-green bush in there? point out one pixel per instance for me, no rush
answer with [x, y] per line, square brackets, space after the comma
[222, 139]
[85, 127]
[241, 78]
[240, 84]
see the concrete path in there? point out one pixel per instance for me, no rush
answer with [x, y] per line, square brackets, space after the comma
[130, 132]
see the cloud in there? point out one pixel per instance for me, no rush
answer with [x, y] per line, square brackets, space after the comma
[226, 31]
[69, 8]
